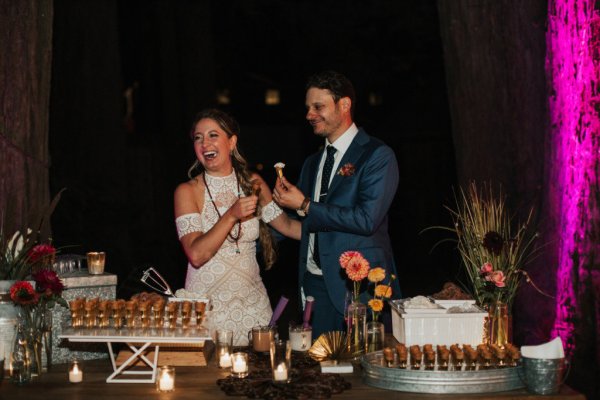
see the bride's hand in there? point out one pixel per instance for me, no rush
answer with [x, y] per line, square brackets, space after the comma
[244, 207]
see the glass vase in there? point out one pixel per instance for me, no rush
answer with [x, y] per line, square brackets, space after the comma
[20, 366]
[499, 327]
[356, 328]
[34, 349]
[47, 339]
[375, 336]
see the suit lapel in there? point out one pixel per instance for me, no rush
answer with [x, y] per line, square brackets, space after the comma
[352, 156]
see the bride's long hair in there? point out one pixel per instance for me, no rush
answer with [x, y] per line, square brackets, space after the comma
[240, 166]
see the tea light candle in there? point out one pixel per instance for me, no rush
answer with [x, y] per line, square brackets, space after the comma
[225, 360]
[166, 379]
[75, 374]
[239, 368]
[281, 373]
[166, 383]
[239, 365]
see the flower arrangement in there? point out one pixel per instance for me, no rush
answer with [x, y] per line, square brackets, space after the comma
[34, 310]
[381, 292]
[347, 170]
[35, 302]
[492, 250]
[357, 269]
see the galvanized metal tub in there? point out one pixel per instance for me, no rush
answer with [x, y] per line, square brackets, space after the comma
[375, 373]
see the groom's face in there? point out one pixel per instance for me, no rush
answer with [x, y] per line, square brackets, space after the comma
[323, 114]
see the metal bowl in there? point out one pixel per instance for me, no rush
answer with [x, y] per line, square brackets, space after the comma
[375, 373]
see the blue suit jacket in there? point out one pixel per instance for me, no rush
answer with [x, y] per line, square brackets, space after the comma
[354, 215]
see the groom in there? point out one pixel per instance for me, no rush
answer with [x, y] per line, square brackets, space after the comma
[343, 196]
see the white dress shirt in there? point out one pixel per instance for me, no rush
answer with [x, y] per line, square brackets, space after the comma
[341, 145]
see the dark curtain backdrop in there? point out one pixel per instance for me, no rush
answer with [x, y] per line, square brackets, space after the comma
[128, 77]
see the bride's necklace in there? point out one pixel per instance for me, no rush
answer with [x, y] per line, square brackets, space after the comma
[230, 237]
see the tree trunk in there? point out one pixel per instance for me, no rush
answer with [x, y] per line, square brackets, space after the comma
[26, 48]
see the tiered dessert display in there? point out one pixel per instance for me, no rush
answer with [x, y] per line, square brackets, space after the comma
[145, 322]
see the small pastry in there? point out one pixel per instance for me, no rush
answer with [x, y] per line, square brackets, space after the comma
[279, 169]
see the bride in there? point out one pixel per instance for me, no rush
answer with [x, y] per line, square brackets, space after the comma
[220, 213]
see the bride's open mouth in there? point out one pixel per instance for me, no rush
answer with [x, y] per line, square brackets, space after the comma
[209, 155]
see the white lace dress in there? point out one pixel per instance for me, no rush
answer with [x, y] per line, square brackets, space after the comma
[231, 279]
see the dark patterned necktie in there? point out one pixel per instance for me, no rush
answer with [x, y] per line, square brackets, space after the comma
[327, 170]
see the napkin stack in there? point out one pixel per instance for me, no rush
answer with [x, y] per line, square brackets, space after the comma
[550, 350]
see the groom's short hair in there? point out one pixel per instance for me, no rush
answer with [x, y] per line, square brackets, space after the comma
[336, 83]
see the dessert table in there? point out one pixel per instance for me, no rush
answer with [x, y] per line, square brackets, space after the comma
[200, 383]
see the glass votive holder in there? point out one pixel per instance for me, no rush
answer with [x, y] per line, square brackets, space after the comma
[239, 365]
[165, 380]
[300, 337]
[75, 372]
[95, 262]
[224, 347]
[281, 357]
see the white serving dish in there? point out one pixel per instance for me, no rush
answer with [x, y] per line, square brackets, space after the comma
[436, 328]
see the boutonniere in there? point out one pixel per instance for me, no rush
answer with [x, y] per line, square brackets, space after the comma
[347, 170]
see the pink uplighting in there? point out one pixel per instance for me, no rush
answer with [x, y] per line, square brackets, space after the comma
[573, 70]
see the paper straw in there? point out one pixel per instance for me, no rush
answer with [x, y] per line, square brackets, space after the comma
[278, 310]
[308, 310]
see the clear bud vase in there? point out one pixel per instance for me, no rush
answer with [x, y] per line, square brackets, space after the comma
[20, 364]
[499, 324]
[375, 336]
[34, 348]
[356, 328]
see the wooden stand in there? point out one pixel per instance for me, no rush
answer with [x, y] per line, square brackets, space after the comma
[176, 355]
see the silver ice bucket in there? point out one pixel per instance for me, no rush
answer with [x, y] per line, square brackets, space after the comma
[543, 375]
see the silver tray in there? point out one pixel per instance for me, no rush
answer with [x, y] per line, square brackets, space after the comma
[375, 373]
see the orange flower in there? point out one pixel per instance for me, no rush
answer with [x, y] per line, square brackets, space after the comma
[357, 268]
[377, 274]
[383, 291]
[376, 305]
[347, 256]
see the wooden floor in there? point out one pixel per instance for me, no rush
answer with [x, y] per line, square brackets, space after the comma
[199, 383]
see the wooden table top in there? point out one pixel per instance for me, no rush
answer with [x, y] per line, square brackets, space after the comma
[200, 383]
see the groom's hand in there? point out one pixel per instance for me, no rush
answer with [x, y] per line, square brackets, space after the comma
[287, 195]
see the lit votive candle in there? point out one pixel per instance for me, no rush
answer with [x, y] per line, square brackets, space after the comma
[281, 373]
[75, 373]
[239, 365]
[166, 379]
[225, 360]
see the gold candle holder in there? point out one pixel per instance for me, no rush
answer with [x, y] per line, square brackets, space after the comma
[95, 262]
